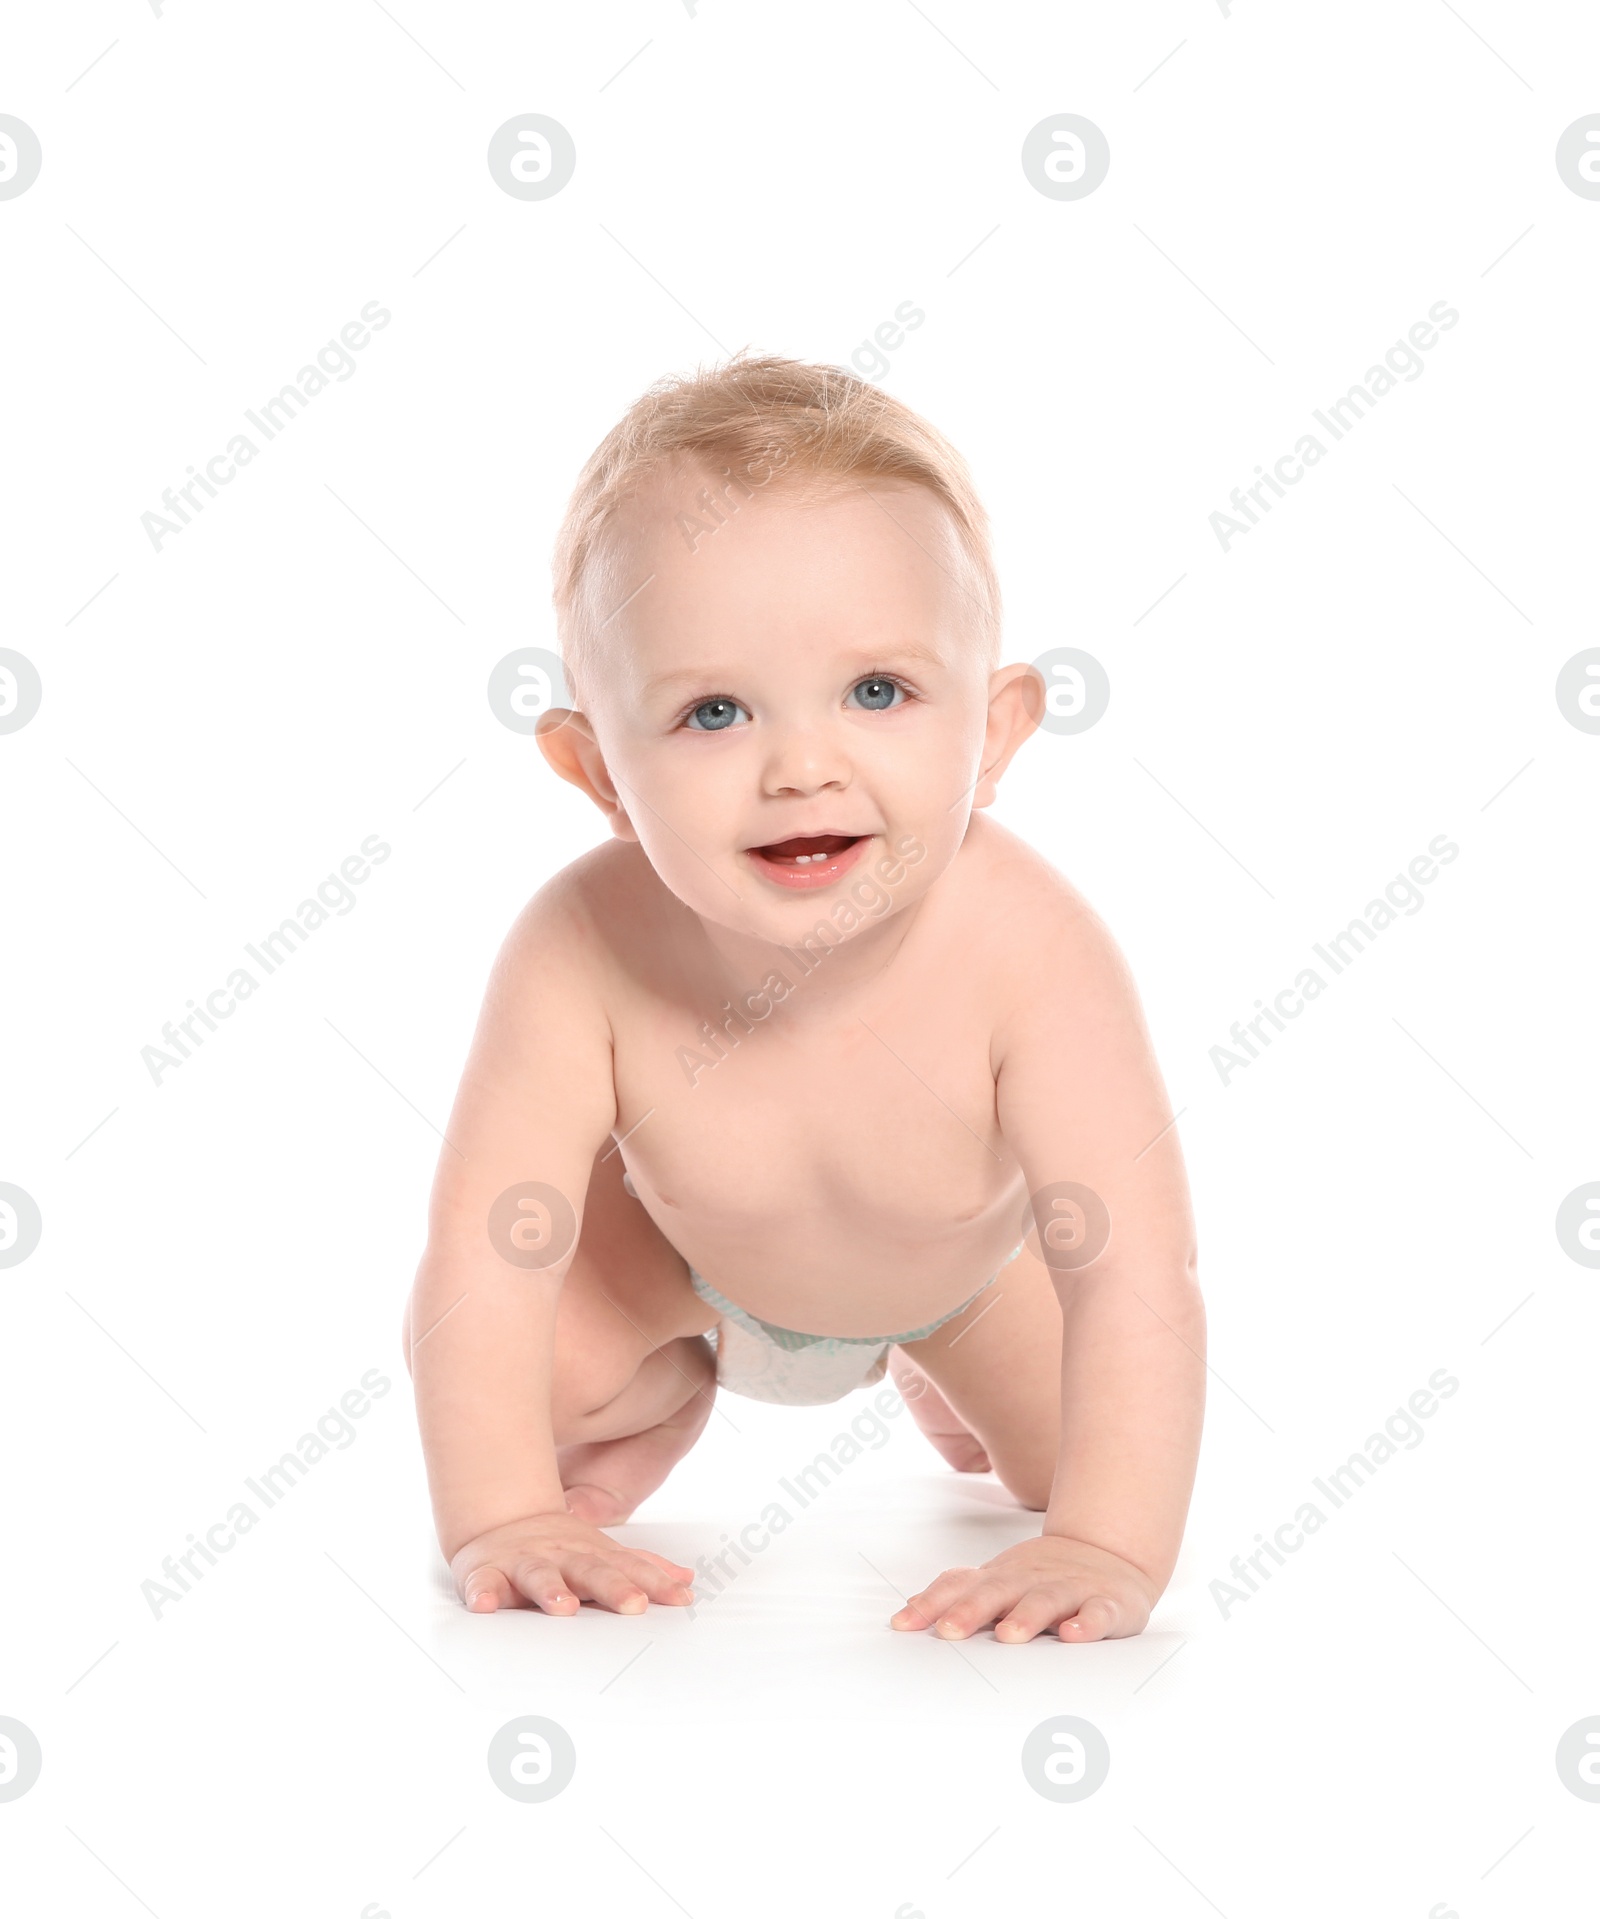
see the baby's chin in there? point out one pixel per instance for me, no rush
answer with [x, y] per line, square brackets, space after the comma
[805, 893]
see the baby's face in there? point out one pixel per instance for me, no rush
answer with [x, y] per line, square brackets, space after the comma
[796, 702]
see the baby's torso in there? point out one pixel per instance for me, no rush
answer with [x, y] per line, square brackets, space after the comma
[831, 1162]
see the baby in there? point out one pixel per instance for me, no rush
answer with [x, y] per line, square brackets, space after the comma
[812, 1071]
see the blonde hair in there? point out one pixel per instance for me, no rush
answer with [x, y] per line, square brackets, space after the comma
[798, 423]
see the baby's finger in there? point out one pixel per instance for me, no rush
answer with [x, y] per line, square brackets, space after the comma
[1096, 1618]
[982, 1603]
[665, 1587]
[1035, 1612]
[685, 1573]
[606, 1584]
[486, 1589]
[923, 1608]
[538, 1580]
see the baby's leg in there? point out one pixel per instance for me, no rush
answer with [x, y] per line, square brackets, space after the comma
[940, 1423]
[986, 1387]
[633, 1378]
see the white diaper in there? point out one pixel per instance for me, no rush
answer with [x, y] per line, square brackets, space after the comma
[762, 1361]
[750, 1364]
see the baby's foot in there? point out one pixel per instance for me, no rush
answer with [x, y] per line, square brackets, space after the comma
[936, 1416]
[605, 1479]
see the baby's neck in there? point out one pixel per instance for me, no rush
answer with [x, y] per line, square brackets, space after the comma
[821, 976]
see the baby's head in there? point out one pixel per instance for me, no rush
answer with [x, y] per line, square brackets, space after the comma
[781, 625]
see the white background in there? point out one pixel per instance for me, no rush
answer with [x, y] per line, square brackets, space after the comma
[226, 719]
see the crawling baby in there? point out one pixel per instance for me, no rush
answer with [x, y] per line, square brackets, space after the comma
[812, 1072]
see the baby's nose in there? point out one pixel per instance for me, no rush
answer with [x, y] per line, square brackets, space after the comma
[808, 760]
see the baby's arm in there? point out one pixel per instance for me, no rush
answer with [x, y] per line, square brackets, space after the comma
[536, 1102]
[1080, 1100]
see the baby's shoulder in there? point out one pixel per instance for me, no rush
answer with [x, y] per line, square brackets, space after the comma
[1019, 893]
[585, 919]
[1061, 995]
[1029, 937]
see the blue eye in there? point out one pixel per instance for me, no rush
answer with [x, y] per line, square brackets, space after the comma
[712, 716]
[877, 695]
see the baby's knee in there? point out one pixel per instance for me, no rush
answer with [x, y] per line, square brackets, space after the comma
[581, 1387]
[594, 1396]
[1028, 1480]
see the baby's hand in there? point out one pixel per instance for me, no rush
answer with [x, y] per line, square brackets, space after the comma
[1081, 1591]
[554, 1561]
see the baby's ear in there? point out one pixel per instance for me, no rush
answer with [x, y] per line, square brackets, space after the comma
[567, 741]
[1016, 705]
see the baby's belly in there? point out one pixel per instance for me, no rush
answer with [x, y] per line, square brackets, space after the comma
[850, 1273]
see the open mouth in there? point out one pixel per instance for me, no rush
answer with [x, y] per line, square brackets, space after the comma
[808, 860]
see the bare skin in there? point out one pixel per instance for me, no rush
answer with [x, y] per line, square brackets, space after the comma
[844, 1143]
